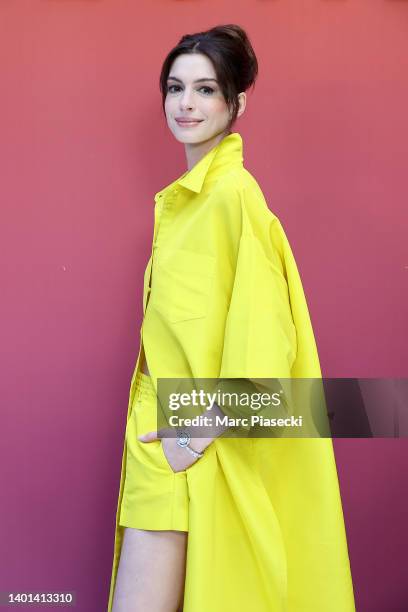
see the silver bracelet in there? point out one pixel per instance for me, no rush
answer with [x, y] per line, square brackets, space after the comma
[183, 440]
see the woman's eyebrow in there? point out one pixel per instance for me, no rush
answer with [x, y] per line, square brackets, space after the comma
[173, 78]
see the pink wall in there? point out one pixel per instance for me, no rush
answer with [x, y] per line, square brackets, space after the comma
[82, 143]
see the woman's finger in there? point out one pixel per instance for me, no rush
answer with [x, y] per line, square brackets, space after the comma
[150, 436]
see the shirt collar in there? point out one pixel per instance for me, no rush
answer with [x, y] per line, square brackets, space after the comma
[228, 152]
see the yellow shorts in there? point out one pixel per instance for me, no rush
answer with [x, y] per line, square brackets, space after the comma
[154, 496]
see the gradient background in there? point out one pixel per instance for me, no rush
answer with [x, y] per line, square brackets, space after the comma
[83, 149]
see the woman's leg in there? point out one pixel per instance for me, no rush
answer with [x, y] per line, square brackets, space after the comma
[151, 571]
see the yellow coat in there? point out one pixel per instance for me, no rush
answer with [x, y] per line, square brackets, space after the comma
[226, 300]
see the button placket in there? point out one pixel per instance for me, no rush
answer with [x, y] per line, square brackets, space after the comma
[162, 205]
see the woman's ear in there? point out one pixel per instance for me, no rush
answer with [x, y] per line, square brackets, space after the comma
[242, 103]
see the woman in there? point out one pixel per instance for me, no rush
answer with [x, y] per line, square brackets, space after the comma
[222, 298]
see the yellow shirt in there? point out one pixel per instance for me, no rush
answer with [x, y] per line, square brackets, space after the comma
[219, 300]
[226, 301]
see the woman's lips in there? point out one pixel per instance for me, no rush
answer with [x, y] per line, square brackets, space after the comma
[188, 123]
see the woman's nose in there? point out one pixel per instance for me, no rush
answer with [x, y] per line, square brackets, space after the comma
[186, 100]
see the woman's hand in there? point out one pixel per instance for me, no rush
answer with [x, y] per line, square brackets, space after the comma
[178, 458]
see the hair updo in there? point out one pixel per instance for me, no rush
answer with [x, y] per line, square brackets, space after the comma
[231, 53]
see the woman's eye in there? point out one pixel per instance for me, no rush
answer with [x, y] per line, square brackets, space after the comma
[170, 87]
[209, 89]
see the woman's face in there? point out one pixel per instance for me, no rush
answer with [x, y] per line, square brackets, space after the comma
[201, 101]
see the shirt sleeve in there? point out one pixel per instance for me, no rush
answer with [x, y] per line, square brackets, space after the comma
[268, 334]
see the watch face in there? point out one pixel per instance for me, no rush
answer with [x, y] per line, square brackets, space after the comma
[183, 439]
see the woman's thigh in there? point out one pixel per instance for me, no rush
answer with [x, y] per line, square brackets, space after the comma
[151, 571]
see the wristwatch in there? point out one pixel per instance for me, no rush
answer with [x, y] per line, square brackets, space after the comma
[183, 440]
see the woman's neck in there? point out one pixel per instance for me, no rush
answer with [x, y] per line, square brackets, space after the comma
[196, 151]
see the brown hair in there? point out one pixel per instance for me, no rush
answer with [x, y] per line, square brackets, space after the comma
[231, 53]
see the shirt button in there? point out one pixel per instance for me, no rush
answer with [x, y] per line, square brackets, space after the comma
[175, 191]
